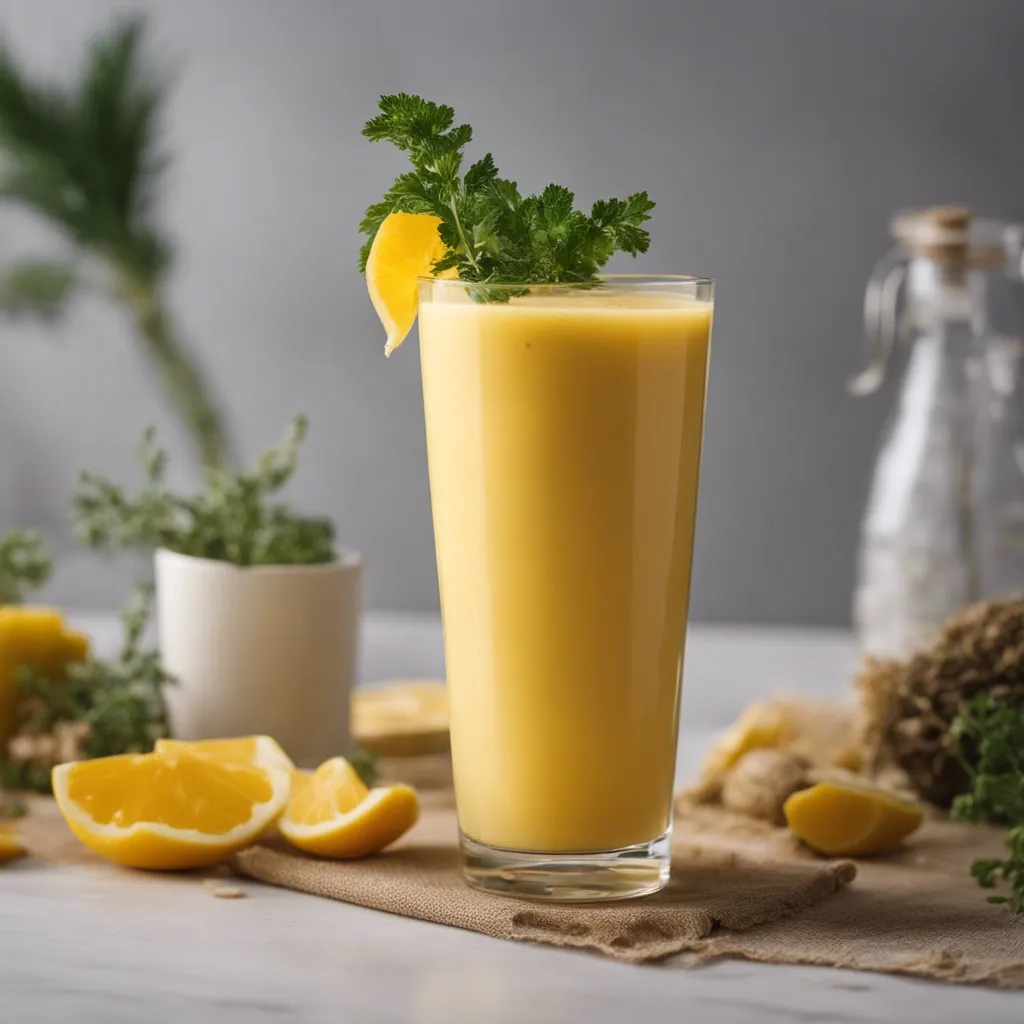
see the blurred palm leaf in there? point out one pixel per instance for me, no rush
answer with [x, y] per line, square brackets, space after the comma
[87, 159]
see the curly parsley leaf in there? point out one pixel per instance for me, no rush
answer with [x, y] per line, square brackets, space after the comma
[996, 729]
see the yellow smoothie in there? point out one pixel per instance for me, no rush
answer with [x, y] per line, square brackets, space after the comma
[564, 440]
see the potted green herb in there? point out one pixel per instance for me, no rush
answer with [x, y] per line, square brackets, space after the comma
[257, 611]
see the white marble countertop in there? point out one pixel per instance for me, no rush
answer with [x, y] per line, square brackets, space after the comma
[103, 945]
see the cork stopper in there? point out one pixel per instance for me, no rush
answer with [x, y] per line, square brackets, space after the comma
[937, 232]
[950, 235]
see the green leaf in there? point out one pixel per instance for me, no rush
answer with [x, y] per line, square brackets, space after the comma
[557, 203]
[39, 288]
[631, 239]
[412, 194]
[407, 120]
[366, 765]
[638, 207]
[995, 729]
[25, 564]
[482, 172]
[447, 262]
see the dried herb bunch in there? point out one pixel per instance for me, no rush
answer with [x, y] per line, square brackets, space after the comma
[909, 707]
[103, 706]
[25, 564]
[231, 520]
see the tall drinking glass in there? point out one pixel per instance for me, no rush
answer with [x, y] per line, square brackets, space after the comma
[564, 432]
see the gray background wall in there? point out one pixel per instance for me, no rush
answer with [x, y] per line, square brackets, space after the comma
[776, 136]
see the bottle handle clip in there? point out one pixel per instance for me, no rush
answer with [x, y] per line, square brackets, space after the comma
[881, 323]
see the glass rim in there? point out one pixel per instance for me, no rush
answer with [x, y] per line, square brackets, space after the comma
[624, 281]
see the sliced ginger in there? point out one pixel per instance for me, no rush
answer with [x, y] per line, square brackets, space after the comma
[761, 725]
[823, 734]
[841, 818]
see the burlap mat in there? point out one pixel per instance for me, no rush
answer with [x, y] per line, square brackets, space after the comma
[420, 878]
[738, 889]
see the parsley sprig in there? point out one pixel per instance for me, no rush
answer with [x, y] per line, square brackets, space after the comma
[492, 232]
[996, 729]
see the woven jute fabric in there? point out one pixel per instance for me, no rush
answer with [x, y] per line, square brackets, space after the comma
[738, 889]
[710, 888]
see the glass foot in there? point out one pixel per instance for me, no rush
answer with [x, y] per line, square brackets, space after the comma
[568, 877]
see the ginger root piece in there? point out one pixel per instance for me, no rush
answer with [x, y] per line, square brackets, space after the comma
[761, 725]
[842, 818]
[11, 847]
[761, 781]
[824, 734]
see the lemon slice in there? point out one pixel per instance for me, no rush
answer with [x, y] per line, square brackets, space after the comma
[170, 810]
[259, 750]
[402, 719]
[332, 814]
[11, 847]
[405, 248]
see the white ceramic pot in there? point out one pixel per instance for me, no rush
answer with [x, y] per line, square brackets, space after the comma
[261, 649]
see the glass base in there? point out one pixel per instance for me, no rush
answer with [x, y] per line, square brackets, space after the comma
[568, 877]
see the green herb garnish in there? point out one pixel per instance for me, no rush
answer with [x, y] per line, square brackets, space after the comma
[365, 763]
[101, 707]
[493, 233]
[25, 564]
[996, 730]
[231, 520]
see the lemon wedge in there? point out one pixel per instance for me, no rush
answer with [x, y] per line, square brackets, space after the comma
[404, 249]
[169, 810]
[332, 814]
[263, 751]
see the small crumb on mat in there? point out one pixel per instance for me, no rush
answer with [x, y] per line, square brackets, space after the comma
[222, 890]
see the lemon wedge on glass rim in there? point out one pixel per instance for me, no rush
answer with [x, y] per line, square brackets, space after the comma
[405, 248]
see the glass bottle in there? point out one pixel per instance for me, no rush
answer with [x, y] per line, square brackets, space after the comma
[944, 524]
